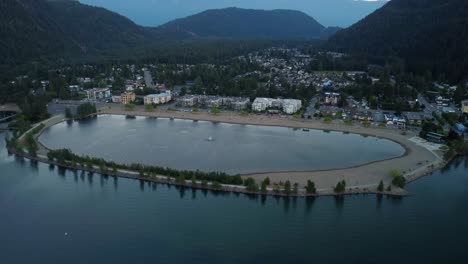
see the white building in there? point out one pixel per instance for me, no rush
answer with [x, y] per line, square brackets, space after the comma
[291, 106]
[261, 104]
[188, 100]
[161, 98]
[240, 103]
[98, 93]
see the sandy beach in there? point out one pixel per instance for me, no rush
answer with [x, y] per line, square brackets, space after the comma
[415, 163]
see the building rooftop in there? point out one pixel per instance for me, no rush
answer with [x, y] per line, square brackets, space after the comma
[158, 95]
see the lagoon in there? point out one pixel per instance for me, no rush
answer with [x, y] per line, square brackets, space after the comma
[208, 146]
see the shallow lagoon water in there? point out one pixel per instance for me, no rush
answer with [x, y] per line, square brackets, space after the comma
[209, 146]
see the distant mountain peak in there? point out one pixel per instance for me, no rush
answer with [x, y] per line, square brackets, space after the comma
[234, 22]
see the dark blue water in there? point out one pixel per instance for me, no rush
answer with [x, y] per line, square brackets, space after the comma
[125, 221]
[234, 148]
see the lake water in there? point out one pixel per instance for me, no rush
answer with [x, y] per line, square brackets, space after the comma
[110, 220]
[184, 144]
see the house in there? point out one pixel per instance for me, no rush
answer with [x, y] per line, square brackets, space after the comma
[414, 118]
[127, 97]
[161, 98]
[98, 93]
[464, 106]
[364, 116]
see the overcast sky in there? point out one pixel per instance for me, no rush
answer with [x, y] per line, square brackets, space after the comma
[341, 13]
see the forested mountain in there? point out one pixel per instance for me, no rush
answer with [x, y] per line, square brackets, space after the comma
[49, 30]
[247, 23]
[430, 35]
[33, 29]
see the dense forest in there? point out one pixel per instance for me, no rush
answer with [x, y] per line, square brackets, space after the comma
[237, 23]
[66, 31]
[431, 36]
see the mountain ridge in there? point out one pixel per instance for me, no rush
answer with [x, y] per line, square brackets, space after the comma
[430, 35]
[248, 23]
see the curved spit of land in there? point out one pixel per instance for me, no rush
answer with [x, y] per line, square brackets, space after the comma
[416, 162]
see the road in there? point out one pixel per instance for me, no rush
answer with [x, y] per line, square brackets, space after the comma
[429, 108]
[149, 79]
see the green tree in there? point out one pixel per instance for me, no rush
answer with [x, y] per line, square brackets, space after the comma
[380, 188]
[296, 188]
[215, 111]
[310, 188]
[130, 107]
[340, 187]
[181, 179]
[398, 179]
[216, 185]
[287, 188]
[68, 113]
[86, 109]
[149, 107]
[194, 180]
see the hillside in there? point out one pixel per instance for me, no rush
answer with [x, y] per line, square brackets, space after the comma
[38, 29]
[65, 30]
[430, 35]
[247, 23]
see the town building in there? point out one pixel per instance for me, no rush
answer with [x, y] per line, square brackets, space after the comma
[291, 106]
[116, 99]
[464, 106]
[261, 104]
[161, 98]
[213, 102]
[331, 98]
[240, 103]
[188, 100]
[98, 93]
[127, 97]
[414, 118]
